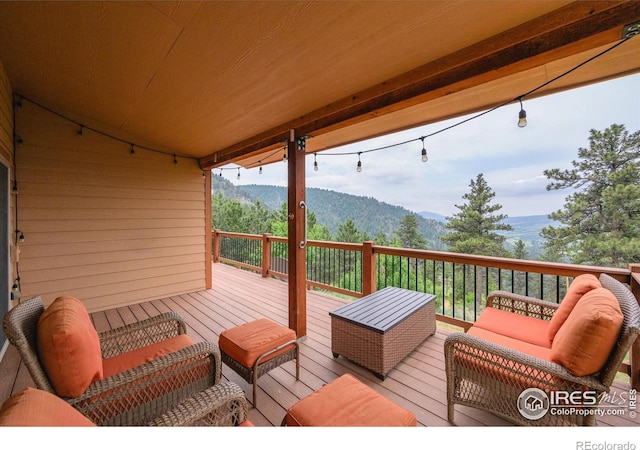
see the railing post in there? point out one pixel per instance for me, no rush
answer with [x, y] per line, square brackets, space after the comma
[266, 254]
[216, 246]
[634, 284]
[368, 268]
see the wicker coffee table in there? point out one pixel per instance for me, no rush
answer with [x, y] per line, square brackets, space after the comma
[381, 329]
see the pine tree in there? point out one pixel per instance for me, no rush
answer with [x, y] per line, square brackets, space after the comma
[474, 226]
[347, 232]
[601, 219]
[520, 250]
[408, 233]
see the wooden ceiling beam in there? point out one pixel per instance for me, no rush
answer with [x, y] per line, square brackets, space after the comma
[575, 28]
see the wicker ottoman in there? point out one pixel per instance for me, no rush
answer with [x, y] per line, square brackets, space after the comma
[257, 347]
[346, 402]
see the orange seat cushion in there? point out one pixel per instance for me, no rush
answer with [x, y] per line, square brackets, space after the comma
[139, 356]
[69, 347]
[247, 342]
[585, 340]
[347, 402]
[35, 408]
[578, 287]
[528, 348]
[517, 326]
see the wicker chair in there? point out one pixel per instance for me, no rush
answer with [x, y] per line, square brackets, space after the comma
[139, 395]
[491, 377]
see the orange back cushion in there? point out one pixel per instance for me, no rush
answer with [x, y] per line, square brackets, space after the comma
[35, 408]
[69, 347]
[585, 340]
[578, 287]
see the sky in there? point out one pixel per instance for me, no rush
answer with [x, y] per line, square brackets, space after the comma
[511, 159]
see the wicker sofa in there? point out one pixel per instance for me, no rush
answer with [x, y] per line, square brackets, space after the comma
[130, 375]
[221, 404]
[519, 343]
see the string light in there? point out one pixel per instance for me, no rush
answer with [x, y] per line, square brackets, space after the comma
[425, 158]
[132, 150]
[260, 171]
[522, 119]
[18, 101]
[19, 237]
[522, 116]
[15, 290]
[238, 177]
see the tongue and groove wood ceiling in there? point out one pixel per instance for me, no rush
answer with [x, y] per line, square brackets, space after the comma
[226, 81]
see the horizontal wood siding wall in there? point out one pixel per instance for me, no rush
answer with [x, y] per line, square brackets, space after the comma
[6, 155]
[6, 116]
[101, 224]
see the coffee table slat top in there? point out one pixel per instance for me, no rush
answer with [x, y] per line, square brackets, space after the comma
[383, 309]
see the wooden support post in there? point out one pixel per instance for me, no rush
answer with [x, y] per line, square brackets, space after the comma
[216, 246]
[634, 284]
[296, 238]
[369, 281]
[266, 254]
[208, 251]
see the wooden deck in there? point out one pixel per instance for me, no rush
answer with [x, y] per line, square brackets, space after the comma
[417, 383]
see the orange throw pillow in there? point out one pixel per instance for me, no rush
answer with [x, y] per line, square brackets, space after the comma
[35, 408]
[585, 340]
[69, 347]
[578, 287]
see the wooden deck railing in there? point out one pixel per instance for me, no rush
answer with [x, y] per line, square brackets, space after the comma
[461, 282]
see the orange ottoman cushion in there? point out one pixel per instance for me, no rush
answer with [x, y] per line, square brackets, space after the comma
[346, 402]
[69, 347]
[247, 342]
[139, 356]
[35, 408]
[585, 340]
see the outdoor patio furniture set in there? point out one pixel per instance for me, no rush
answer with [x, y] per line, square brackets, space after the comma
[152, 373]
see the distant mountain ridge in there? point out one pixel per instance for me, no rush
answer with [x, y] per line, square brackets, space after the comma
[333, 208]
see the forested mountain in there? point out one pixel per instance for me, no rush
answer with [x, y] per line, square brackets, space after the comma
[334, 208]
[368, 214]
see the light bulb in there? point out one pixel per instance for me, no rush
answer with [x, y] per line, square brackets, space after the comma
[15, 291]
[238, 177]
[260, 171]
[359, 168]
[522, 118]
[315, 166]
